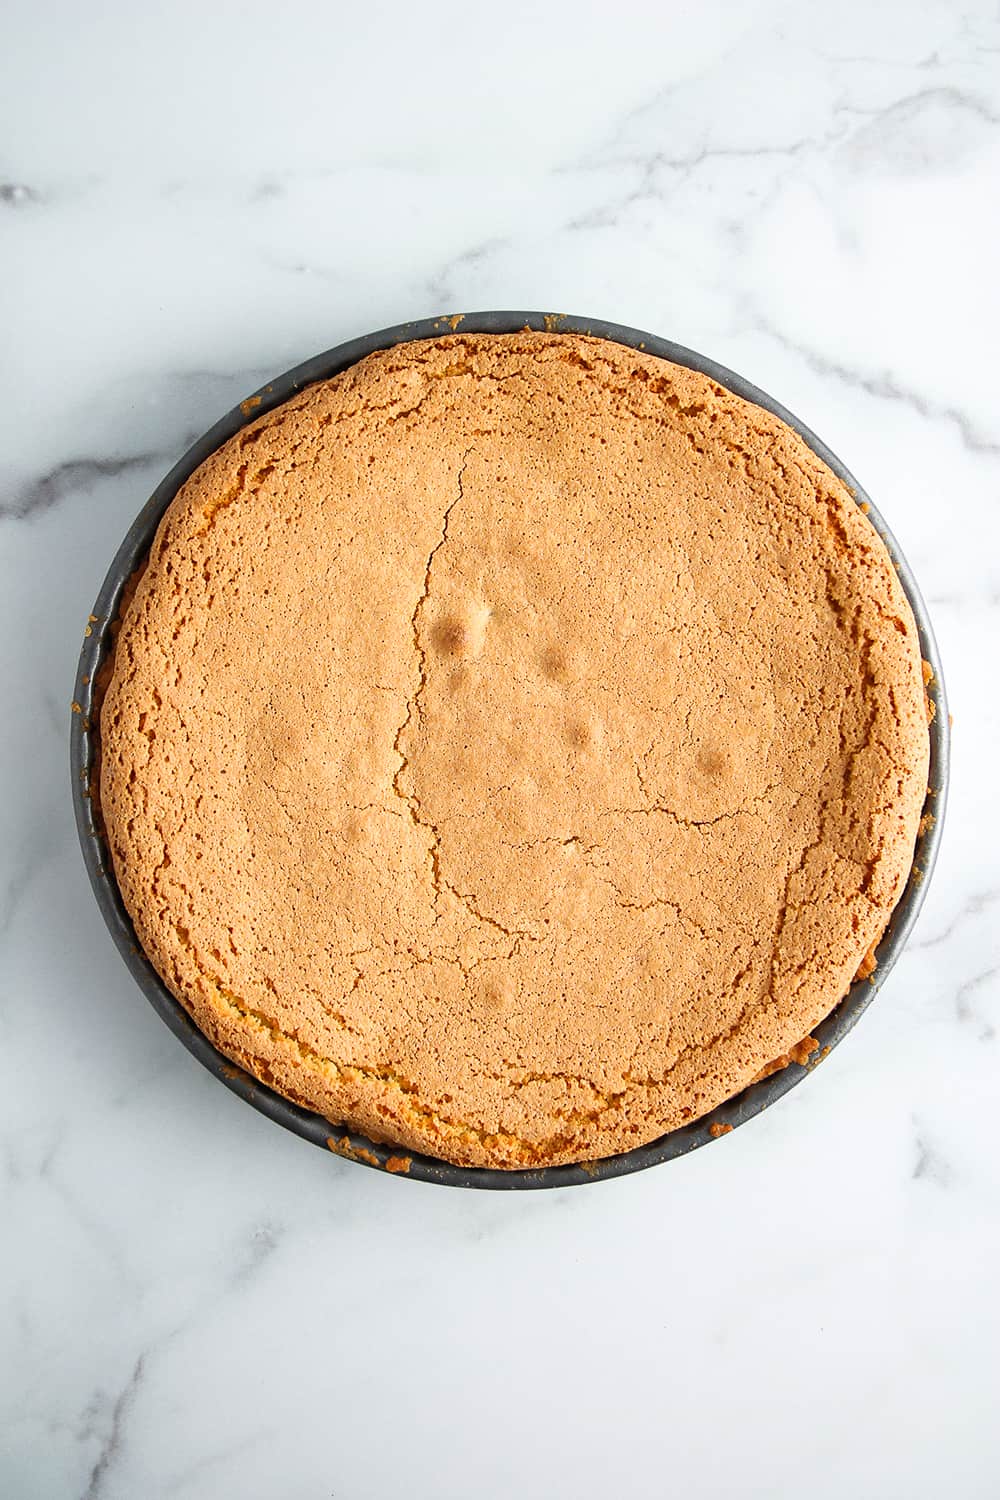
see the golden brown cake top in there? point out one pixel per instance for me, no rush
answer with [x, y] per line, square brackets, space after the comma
[513, 745]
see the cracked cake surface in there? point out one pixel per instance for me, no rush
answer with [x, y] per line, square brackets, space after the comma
[512, 746]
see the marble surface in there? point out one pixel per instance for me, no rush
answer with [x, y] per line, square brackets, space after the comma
[192, 1302]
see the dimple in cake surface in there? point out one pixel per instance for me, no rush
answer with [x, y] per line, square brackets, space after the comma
[512, 746]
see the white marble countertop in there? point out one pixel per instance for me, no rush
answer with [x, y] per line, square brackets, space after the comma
[194, 1303]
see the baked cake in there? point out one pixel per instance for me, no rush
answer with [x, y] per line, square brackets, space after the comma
[513, 746]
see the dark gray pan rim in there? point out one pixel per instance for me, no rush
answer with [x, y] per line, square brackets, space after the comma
[313, 1127]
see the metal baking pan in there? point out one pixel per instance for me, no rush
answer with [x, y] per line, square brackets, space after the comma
[313, 1127]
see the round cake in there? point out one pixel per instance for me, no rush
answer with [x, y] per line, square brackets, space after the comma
[513, 746]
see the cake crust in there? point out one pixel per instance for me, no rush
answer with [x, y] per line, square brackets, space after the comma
[513, 746]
